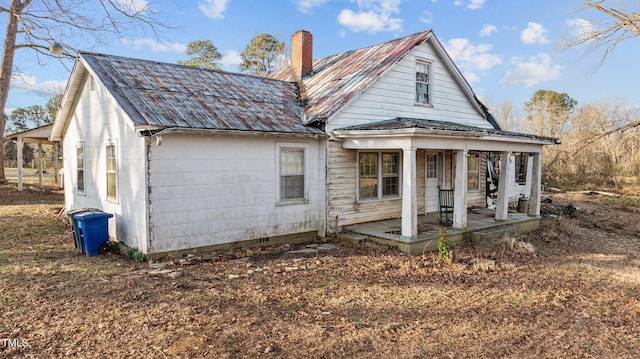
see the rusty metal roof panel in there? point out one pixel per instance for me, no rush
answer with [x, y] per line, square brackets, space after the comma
[336, 79]
[175, 96]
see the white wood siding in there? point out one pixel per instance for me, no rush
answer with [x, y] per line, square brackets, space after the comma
[393, 95]
[209, 190]
[343, 208]
[96, 122]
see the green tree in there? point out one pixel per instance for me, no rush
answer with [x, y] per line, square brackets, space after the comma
[261, 54]
[37, 25]
[53, 105]
[548, 112]
[203, 55]
[22, 119]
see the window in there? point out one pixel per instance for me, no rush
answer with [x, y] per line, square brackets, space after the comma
[521, 167]
[111, 172]
[432, 165]
[80, 168]
[473, 172]
[377, 168]
[291, 174]
[423, 83]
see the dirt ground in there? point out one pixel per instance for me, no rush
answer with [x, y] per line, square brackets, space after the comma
[578, 296]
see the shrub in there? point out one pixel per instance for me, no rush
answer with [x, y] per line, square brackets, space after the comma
[135, 254]
[445, 246]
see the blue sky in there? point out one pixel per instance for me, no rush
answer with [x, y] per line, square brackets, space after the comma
[506, 49]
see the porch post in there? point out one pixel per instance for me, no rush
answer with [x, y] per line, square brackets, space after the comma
[460, 190]
[40, 164]
[502, 205]
[55, 162]
[19, 161]
[536, 187]
[409, 194]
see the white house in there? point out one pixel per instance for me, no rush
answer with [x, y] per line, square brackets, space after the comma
[190, 159]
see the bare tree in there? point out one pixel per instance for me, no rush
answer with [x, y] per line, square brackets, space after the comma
[507, 115]
[625, 24]
[38, 24]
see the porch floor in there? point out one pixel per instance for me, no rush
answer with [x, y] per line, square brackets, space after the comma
[481, 226]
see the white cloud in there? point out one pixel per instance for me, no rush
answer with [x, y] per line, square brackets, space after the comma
[231, 58]
[581, 28]
[154, 46]
[534, 34]
[372, 16]
[28, 82]
[487, 30]
[213, 9]
[529, 72]
[472, 4]
[307, 6]
[427, 17]
[472, 58]
[133, 6]
[475, 4]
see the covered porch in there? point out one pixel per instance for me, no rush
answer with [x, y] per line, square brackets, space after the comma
[412, 135]
[481, 227]
[40, 137]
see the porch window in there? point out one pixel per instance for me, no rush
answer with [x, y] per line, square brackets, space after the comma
[521, 167]
[80, 168]
[377, 168]
[111, 172]
[291, 174]
[432, 165]
[423, 82]
[473, 171]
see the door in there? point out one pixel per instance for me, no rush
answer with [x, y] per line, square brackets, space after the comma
[432, 181]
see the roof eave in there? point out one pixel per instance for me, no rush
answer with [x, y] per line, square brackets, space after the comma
[69, 100]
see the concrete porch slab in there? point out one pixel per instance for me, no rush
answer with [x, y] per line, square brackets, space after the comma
[481, 226]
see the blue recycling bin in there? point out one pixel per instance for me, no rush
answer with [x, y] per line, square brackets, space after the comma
[93, 230]
[74, 227]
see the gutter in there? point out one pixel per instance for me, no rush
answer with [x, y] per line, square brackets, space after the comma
[237, 133]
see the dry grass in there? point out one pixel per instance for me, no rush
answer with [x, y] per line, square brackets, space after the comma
[578, 297]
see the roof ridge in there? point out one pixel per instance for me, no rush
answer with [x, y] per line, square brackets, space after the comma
[191, 68]
[426, 32]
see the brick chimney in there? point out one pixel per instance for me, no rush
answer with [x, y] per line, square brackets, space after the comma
[301, 54]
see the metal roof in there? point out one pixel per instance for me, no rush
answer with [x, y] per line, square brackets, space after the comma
[403, 123]
[168, 95]
[336, 79]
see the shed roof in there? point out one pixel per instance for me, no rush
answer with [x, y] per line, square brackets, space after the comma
[175, 96]
[442, 126]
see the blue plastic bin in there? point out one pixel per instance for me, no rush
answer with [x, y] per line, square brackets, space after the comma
[93, 230]
[74, 227]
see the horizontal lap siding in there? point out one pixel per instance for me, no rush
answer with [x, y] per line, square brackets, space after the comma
[211, 190]
[342, 205]
[97, 121]
[393, 95]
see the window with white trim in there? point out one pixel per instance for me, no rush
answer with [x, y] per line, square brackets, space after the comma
[432, 165]
[111, 173]
[378, 174]
[473, 171]
[80, 168]
[291, 174]
[423, 82]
